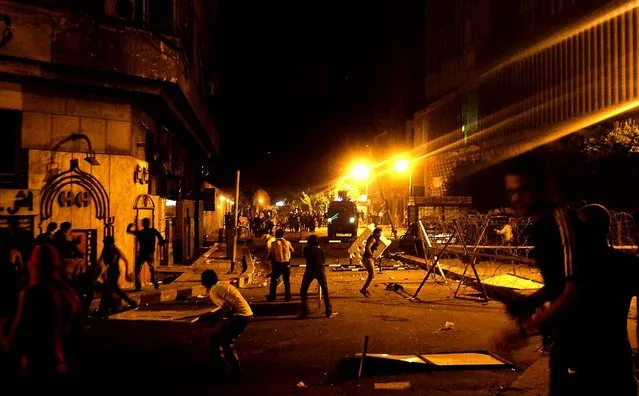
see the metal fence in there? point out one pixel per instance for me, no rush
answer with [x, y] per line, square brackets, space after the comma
[481, 230]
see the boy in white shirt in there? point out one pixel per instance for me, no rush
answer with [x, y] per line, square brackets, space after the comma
[227, 299]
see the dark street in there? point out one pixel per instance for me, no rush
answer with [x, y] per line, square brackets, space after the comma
[461, 175]
[279, 351]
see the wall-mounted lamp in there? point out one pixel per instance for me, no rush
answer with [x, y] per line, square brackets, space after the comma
[53, 168]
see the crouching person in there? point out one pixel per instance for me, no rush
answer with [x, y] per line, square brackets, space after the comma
[229, 318]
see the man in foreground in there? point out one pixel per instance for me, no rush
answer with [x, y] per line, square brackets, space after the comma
[559, 255]
[231, 316]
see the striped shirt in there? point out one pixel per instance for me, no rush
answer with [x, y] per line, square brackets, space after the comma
[555, 237]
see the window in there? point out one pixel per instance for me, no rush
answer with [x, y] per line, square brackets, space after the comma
[14, 160]
[158, 15]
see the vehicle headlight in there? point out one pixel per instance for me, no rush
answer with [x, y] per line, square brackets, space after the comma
[351, 220]
[330, 220]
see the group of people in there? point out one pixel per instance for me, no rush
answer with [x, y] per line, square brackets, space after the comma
[47, 297]
[279, 254]
[581, 313]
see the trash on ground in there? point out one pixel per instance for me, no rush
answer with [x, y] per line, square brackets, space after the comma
[448, 326]
[301, 384]
[393, 385]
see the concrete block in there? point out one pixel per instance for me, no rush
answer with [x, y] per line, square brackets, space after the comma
[95, 129]
[36, 130]
[119, 137]
[63, 126]
[97, 109]
[32, 101]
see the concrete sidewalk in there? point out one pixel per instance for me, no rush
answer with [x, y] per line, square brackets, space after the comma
[187, 281]
[532, 382]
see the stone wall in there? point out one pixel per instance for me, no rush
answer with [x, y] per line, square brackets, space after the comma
[80, 42]
[112, 126]
[48, 117]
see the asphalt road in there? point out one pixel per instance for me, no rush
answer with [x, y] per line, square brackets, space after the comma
[279, 351]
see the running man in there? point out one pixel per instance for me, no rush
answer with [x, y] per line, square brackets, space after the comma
[368, 259]
[111, 257]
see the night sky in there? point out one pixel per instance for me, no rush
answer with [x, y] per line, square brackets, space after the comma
[297, 84]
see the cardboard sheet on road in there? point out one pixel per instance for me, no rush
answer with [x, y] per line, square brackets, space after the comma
[392, 386]
[442, 360]
[512, 282]
[167, 315]
[463, 359]
[403, 358]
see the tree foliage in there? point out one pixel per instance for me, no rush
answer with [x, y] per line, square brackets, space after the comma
[597, 166]
[618, 138]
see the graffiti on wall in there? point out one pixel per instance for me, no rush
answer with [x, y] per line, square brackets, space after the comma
[56, 190]
[68, 199]
[23, 223]
[141, 175]
[15, 202]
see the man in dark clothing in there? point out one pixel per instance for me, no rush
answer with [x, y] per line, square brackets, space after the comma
[64, 242]
[558, 252]
[47, 236]
[146, 238]
[604, 318]
[111, 257]
[314, 256]
[368, 259]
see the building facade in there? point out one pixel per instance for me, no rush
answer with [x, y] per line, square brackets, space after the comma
[107, 113]
[504, 77]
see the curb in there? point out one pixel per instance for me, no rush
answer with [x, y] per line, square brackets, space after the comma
[202, 259]
[533, 381]
[159, 295]
[169, 293]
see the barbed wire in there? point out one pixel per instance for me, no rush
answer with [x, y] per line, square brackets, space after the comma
[501, 256]
[482, 230]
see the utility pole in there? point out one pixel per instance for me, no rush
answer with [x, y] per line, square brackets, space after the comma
[236, 221]
[386, 206]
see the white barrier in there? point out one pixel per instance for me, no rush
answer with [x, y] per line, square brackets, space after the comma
[356, 250]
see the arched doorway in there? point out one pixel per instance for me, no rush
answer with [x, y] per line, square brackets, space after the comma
[55, 191]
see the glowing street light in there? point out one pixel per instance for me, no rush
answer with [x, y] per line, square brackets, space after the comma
[401, 165]
[222, 198]
[360, 171]
[260, 200]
